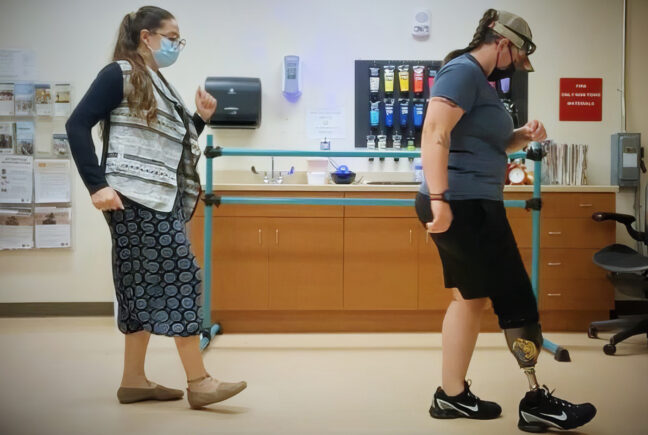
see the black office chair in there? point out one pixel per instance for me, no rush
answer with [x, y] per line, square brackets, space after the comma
[628, 271]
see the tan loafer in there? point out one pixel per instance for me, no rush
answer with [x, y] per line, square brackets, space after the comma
[223, 391]
[156, 392]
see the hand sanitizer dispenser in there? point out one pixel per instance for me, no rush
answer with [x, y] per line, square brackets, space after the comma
[292, 81]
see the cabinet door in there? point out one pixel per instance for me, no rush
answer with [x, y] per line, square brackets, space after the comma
[305, 260]
[432, 294]
[381, 263]
[239, 263]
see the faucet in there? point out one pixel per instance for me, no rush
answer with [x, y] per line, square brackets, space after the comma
[274, 178]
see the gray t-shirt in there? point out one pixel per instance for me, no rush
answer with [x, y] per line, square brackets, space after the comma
[477, 158]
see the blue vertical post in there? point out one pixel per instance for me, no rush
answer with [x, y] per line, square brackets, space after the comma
[535, 240]
[208, 330]
[560, 353]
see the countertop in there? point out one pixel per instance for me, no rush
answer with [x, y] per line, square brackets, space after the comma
[391, 188]
[234, 180]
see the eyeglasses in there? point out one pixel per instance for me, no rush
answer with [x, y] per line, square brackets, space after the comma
[528, 47]
[176, 43]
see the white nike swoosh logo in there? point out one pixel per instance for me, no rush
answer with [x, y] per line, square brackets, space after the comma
[445, 405]
[472, 408]
[561, 417]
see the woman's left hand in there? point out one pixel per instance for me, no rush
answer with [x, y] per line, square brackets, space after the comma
[534, 131]
[205, 104]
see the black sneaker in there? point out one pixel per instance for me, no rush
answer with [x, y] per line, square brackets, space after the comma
[464, 405]
[539, 410]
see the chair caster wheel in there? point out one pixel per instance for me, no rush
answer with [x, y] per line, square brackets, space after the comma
[609, 349]
[592, 332]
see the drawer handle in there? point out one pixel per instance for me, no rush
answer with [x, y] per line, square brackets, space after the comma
[554, 264]
[276, 237]
[554, 294]
[584, 205]
[260, 243]
[410, 237]
[555, 233]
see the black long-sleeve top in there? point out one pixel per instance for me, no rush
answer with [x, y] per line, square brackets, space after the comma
[103, 96]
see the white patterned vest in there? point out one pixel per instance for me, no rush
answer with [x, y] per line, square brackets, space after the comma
[151, 164]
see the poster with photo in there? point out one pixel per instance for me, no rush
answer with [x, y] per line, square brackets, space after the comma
[24, 99]
[25, 138]
[7, 138]
[60, 145]
[43, 97]
[63, 99]
[53, 227]
[6, 99]
[16, 228]
[16, 179]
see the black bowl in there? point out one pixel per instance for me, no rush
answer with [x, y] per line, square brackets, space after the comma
[343, 177]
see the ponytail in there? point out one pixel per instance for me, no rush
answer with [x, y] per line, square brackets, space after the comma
[483, 35]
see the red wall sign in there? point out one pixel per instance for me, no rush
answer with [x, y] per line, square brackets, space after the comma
[581, 99]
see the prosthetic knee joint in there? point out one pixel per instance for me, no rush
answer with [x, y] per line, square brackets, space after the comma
[525, 344]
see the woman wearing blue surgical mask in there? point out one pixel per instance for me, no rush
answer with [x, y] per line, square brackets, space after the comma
[147, 187]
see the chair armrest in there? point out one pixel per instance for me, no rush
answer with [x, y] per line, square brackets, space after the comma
[624, 219]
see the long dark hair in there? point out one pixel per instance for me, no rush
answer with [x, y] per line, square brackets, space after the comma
[141, 100]
[483, 35]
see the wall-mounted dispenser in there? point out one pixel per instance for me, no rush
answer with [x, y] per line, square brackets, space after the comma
[239, 101]
[292, 77]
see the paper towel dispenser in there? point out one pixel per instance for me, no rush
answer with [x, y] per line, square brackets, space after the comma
[239, 101]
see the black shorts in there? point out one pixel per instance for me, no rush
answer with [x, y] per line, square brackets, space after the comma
[480, 256]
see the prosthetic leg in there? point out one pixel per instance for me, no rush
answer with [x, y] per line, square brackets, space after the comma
[525, 344]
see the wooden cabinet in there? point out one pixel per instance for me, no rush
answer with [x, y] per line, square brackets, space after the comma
[381, 263]
[305, 263]
[239, 262]
[335, 268]
[273, 263]
[573, 291]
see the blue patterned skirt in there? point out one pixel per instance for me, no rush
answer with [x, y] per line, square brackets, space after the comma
[157, 279]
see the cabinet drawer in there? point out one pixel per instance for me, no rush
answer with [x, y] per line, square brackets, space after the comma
[377, 211]
[576, 294]
[569, 264]
[575, 233]
[577, 204]
[564, 233]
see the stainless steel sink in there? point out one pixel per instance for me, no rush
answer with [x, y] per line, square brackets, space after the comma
[395, 183]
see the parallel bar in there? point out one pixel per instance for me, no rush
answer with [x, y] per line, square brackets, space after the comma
[318, 201]
[250, 152]
[314, 153]
[379, 202]
[560, 353]
[518, 155]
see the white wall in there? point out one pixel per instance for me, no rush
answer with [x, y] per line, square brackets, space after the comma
[73, 41]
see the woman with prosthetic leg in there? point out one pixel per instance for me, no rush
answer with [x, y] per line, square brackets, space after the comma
[466, 138]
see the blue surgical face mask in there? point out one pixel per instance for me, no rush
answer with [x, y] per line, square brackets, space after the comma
[167, 54]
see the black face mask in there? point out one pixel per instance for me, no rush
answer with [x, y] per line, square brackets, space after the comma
[499, 74]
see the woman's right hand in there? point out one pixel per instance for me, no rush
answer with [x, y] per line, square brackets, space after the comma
[106, 199]
[442, 217]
